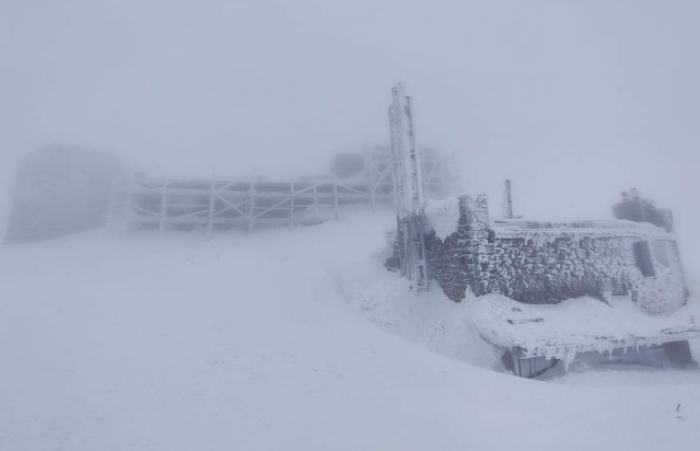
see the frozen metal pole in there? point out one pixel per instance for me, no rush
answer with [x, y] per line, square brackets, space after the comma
[508, 200]
[408, 190]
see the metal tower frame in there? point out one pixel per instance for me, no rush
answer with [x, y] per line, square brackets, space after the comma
[440, 177]
[408, 190]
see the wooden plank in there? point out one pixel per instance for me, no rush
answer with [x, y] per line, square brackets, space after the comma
[175, 218]
[232, 207]
[274, 207]
[155, 214]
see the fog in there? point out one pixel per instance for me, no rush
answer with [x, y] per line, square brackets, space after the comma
[297, 332]
[574, 101]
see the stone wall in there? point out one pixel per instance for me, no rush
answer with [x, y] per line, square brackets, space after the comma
[552, 268]
[454, 262]
[538, 262]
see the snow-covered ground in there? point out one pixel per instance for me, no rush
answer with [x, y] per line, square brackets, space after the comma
[285, 340]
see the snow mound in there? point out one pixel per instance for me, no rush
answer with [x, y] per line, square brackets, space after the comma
[430, 320]
[179, 342]
[442, 216]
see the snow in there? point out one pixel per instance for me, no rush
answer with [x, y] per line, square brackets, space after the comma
[429, 320]
[547, 231]
[576, 325]
[599, 225]
[281, 340]
[442, 216]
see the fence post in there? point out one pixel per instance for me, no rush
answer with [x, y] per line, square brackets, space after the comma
[335, 197]
[251, 206]
[314, 180]
[212, 204]
[163, 206]
[369, 172]
[291, 203]
[129, 207]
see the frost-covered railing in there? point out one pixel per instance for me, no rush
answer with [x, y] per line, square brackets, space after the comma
[575, 326]
[534, 337]
[220, 204]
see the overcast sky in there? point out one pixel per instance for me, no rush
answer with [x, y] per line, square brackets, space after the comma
[574, 100]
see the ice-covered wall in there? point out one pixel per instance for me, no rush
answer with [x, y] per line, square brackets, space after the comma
[453, 261]
[538, 262]
[60, 191]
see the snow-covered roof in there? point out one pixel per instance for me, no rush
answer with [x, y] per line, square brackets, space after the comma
[606, 224]
[442, 216]
[514, 228]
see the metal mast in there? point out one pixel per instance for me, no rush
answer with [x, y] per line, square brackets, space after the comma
[508, 200]
[408, 191]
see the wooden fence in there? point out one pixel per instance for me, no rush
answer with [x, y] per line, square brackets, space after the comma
[221, 205]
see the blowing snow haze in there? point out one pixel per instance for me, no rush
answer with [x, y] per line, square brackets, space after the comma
[298, 332]
[573, 100]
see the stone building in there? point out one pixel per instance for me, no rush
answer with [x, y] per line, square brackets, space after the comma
[618, 285]
[547, 262]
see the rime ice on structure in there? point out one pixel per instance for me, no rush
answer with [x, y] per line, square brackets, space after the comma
[60, 191]
[634, 257]
[547, 262]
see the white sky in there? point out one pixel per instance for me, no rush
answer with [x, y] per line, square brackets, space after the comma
[574, 100]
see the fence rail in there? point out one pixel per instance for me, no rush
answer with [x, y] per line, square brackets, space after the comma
[219, 205]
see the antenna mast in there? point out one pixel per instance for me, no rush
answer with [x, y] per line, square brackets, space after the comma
[408, 190]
